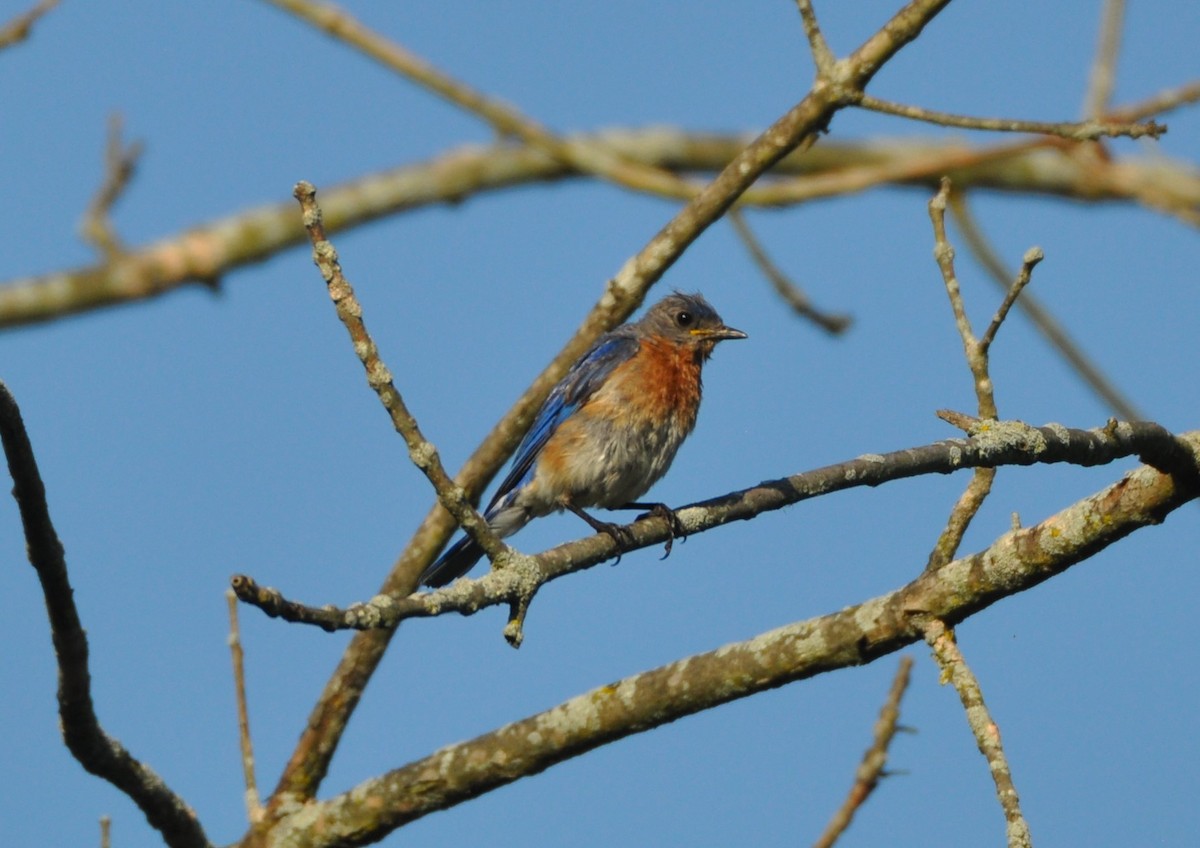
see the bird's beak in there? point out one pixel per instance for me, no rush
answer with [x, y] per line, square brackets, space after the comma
[718, 334]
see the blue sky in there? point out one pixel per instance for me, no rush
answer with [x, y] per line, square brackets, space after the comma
[201, 434]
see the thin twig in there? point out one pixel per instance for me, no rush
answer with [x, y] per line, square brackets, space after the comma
[1031, 258]
[976, 353]
[987, 733]
[505, 119]
[1164, 101]
[105, 832]
[1103, 78]
[992, 444]
[120, 164]
[871, 769]
[422, 453]
[1039, 315]
[823, 57]
[792, 294]
[1088, 130]
[254, 810]
[95, 750]
[19, 28]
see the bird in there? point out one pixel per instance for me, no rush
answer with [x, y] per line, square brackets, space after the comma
[608, 430]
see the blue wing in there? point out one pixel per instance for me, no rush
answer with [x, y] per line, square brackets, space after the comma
[572, 391]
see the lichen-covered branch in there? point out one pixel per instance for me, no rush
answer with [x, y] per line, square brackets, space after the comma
[987, 733]
[1017, 561]
[992, 443]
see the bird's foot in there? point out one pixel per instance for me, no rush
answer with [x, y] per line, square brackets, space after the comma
[661, 510]
[621, 536]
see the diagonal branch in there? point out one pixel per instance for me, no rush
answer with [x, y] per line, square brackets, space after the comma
[505, 119]
[871, 769]
[1017, 561]
[96, 751]
[422, 453]
[987, 734]
[832, 323]
[19, 28]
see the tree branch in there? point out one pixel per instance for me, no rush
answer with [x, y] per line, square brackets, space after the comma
[379, 377]
[96, 751]
[1017, 561]
[623, 294]
[211, 250]
[987, 733]
[991, 444]
[871, 769]
[19, 28]
[1089, 130]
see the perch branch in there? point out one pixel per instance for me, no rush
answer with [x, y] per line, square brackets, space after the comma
[992, 443]
[853, 636]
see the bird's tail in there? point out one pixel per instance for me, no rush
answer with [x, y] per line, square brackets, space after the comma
[453, 564]
[504, 517]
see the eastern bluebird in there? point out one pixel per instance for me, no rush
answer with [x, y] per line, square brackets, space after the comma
[610, 428]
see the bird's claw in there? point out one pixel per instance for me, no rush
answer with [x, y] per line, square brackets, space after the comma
[678, 531]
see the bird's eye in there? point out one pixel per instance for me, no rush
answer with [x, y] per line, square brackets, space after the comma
[684, 318]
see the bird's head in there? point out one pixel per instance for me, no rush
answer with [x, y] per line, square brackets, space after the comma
[689, 320]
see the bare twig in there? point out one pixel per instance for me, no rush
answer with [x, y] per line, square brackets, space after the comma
[1040, 316]
[95, 750]
[120, 163]
[871, 769]
[823, 57]
[1031, 258]
[992, 443]
[976, 352]
[1163, 102]
[1103, 78]
[105, 832]
[1088, 130]
[254, 809]
[791, 293]
[422, 453]
[987, 734]
[507, 120]
[18, 28]
[850, 637]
